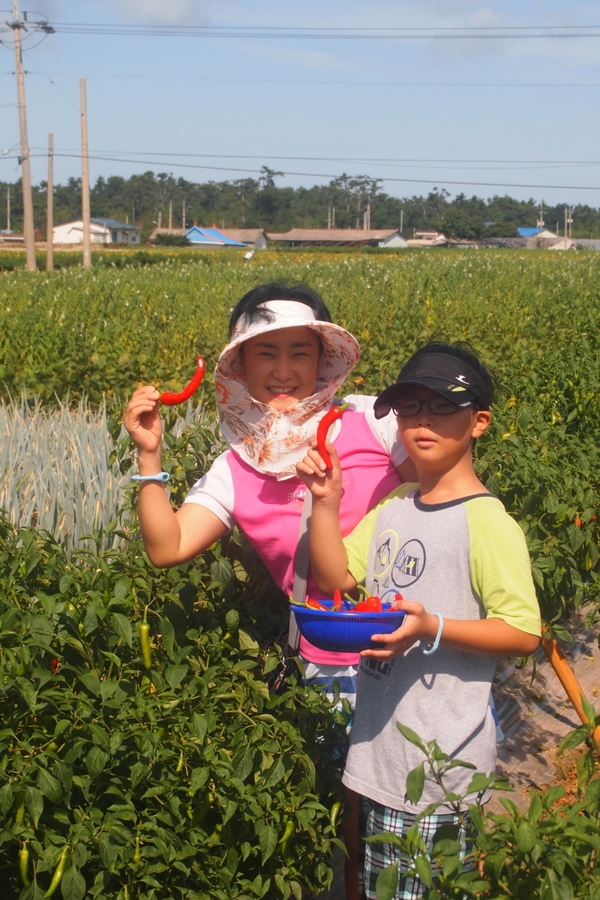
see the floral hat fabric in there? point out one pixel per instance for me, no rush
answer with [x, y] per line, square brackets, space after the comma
[273, 442]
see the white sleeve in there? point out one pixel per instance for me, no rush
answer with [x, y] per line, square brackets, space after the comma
[385, 430]
[215, 491]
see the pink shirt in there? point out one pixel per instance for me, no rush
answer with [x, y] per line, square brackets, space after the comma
[269, 511]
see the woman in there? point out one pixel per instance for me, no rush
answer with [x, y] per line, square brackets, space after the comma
[275, 381]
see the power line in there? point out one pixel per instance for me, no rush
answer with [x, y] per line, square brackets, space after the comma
[420, 84]
[440, 181]
[529, 32]
[348, 159]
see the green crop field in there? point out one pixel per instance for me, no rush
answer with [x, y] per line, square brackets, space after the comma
[181, 781]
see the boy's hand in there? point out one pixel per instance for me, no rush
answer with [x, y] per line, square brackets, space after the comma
[142, 420]
[324, 484]
[418, 625]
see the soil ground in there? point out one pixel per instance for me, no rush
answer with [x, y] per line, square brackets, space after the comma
[535, 714]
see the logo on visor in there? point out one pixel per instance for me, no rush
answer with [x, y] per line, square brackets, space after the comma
[454, 388]
[409, 564]
[462, 379]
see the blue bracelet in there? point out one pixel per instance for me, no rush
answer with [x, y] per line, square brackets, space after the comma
[431, 648]
[160, 476]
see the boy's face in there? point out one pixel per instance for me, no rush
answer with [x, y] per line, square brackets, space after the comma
[439, 442]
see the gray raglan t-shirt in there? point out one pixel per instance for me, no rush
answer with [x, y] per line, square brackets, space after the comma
[466, 560]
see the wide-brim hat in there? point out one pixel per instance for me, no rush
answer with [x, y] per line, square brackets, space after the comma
[443, 373]
[340, 349]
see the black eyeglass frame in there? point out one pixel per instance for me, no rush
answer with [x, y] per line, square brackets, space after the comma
[457, 406]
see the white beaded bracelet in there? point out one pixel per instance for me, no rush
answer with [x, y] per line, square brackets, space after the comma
[431, 648]
[160, 476]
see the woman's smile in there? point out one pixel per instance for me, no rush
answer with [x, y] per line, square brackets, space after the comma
[280, 367]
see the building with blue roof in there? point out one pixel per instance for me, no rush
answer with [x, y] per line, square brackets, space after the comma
[210, 237]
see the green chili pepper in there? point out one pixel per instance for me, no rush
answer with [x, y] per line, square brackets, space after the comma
[286, 837]
[24, 864]
[137, 856]
[179, 765]
[20, 809]
[144, 630]
[58, 874]
[335, 813]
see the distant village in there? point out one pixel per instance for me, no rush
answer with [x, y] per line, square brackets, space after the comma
[106, 232]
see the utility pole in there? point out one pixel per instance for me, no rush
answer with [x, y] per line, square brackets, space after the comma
[8, 210]
[183, 220]
[170, 215]
[28, 230]
[401, 219]
[85, 179]
[50, 206]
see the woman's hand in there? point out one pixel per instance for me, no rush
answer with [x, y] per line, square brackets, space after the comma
[142, 420]
[323, 483]
[418, 625]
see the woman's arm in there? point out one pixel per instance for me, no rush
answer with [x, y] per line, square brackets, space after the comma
[170, 537]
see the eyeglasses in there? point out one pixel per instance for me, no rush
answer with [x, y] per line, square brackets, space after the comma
[439, 406]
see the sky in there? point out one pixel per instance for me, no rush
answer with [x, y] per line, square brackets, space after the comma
[479, 115]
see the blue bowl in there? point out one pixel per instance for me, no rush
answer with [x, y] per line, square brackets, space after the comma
[345, 631]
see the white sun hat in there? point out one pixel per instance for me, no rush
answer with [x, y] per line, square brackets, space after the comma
[341, 350]
[273, 442]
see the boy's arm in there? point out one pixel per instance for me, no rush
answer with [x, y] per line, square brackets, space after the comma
[487, 637]
[328, 558]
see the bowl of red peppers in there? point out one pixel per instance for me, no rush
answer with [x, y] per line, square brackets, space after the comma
[344, 625]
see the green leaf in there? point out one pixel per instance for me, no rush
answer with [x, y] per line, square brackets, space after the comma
[246, 641]
[73, 884]
[49, 786]
[411, 736]
[122, 627]
[526, 837]
[95, 761]
[174, 675]
[232, 619]
[387, 883]
[415, 782]
[34, 801]
[199, 726]
[198, 778]
[267, 840]
[423, 870]
[91, 681]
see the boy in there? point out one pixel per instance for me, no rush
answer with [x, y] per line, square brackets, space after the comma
[461, 563]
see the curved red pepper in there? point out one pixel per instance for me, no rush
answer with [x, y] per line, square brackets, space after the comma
[326, 422]
[170, 399]
[337, 600]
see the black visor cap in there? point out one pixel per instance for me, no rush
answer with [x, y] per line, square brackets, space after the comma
[447, 375]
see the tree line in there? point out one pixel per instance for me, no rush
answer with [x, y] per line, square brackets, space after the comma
[346, 202]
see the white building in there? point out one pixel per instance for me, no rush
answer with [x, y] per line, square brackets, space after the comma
[102, 231]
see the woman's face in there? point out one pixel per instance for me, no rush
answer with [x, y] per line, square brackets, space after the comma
[280, 367]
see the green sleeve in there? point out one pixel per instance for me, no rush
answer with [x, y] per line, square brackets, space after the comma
[358, 542]
[500, 565]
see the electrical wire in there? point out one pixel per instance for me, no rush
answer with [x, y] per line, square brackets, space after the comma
[442, 181]
[419, 84]
[528, 32]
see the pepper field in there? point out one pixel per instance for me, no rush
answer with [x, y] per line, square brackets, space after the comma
[181, 781]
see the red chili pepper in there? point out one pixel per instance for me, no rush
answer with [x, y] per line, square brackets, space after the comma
[337, 600]
[314, 604]
[170, 399]
[326, 422]
[54, 666]
[371, 604]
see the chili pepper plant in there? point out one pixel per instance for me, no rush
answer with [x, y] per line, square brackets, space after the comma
[169, 770]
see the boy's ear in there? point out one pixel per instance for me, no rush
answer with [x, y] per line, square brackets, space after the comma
[481, 422]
